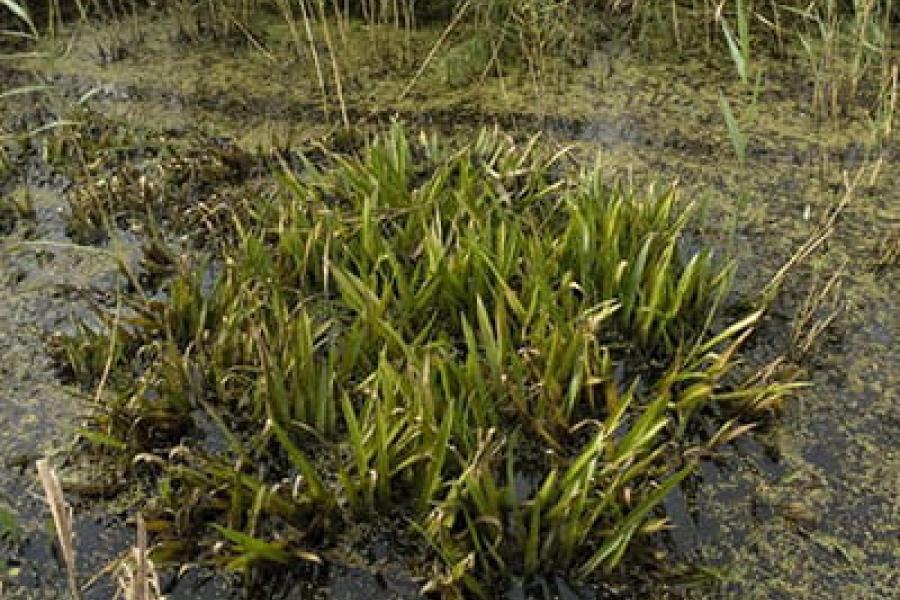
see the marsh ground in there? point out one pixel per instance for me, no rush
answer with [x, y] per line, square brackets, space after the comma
[804, 507]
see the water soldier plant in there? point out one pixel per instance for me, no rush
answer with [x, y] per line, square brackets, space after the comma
[507, 356]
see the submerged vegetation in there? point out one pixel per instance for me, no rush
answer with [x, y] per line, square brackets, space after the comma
[506, 355]
[501, 358]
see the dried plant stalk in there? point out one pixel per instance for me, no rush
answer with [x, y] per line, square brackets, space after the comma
[62, 520]
[139, 581]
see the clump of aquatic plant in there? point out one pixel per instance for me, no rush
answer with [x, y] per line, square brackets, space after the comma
[843, 49]
[129, 182]
[507, 354]
[529, 30]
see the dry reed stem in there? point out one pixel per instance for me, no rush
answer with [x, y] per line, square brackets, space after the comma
[141, 567]
[315, 55]
[250, 38]
[807, 328]
[332, 54]
[819, 237]
[138, 579]
[434, 49]
[62, 520]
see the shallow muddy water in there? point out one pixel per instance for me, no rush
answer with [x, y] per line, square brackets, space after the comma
[805, 507]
